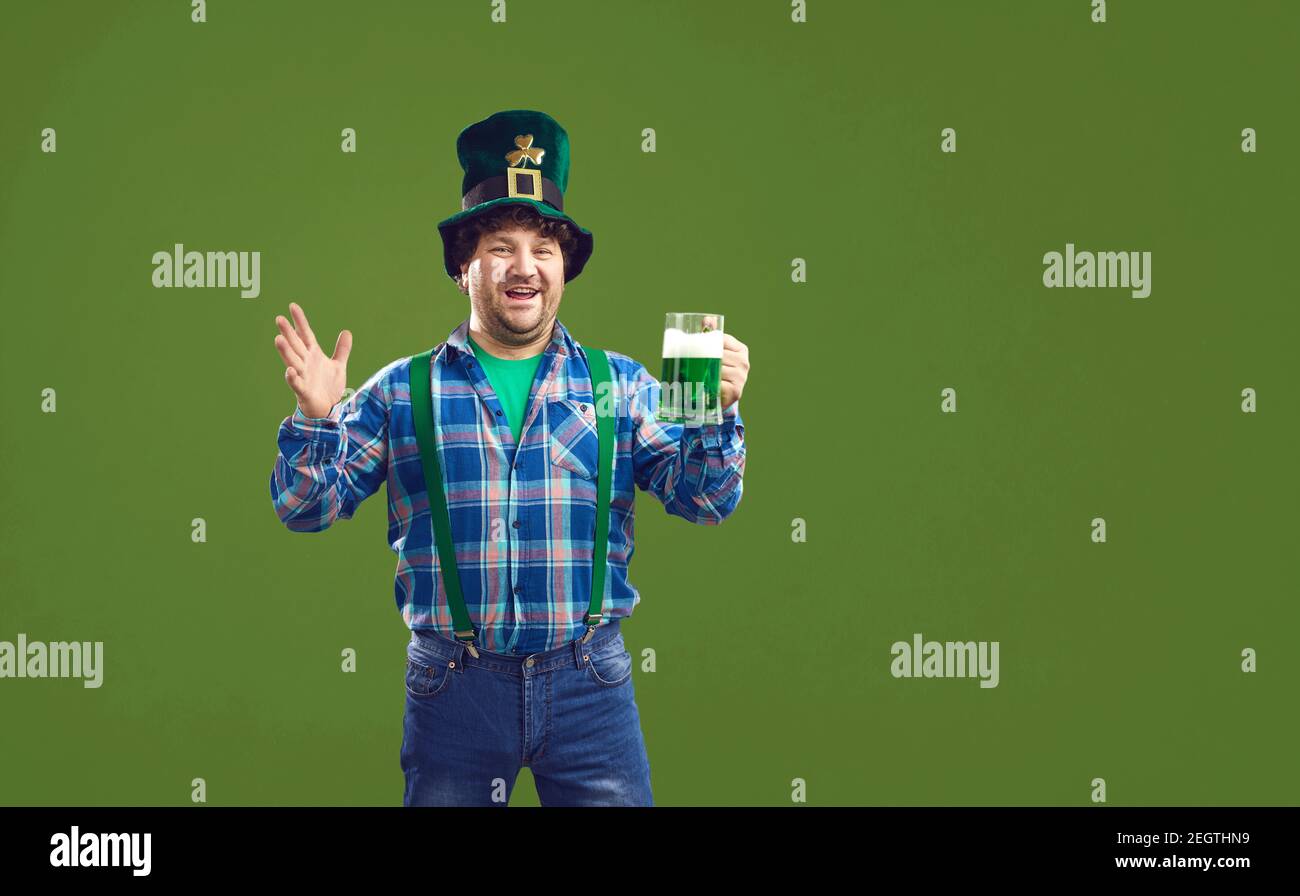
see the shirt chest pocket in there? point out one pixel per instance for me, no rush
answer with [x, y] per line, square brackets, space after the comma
[575, 445]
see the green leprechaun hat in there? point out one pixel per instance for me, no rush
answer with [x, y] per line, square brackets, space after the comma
[516, 156]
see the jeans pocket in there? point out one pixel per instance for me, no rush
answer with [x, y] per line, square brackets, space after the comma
[610, 665]
[427, 678]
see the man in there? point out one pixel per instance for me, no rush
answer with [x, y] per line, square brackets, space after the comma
[537, 674]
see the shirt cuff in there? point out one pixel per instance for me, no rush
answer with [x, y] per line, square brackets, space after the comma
[317, 424]
[711, 434]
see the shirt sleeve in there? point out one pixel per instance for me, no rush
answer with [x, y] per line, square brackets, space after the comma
[328, 465]
[695, 470]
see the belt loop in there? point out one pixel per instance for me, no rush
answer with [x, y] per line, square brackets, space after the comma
[579, 651]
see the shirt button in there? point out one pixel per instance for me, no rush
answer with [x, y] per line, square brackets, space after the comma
[518, 524]
[498, 413]
[519, 589]
[582, 407]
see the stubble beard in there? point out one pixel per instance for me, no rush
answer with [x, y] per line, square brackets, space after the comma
[515, 328]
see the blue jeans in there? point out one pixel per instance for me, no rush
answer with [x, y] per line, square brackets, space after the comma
[569, 714]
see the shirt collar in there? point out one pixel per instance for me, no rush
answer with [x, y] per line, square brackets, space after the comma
[561, 342]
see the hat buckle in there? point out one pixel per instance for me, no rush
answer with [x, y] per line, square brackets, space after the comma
[521, 181]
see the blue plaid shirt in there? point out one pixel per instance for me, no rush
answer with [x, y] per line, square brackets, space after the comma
[523, 516]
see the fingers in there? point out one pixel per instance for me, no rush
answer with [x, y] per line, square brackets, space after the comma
[735, 369]
[295, 343]
[343, 347]
[728, 391]
[734, 353]
[735, 378]
[304, 328]
[291, 358]
[294, 379]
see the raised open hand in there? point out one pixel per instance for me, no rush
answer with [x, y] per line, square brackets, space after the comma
[317, 380]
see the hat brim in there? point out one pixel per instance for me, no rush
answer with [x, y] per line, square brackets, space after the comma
[574, 263]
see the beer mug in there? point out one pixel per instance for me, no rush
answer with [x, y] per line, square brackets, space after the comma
[691, 385]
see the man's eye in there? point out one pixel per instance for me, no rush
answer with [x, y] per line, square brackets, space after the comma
[507, 249]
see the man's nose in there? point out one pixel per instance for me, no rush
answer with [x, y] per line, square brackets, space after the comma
[523, 266]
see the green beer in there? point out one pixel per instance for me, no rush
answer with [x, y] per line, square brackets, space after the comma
[691, 384]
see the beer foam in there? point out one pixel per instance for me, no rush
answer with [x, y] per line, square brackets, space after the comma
[680, 344]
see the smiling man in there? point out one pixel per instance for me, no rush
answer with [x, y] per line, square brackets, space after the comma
[510, 498]
[520, 306]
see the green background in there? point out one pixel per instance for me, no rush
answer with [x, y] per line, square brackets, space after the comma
[775, 141]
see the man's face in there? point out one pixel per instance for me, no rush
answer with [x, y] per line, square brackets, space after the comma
[514, 258]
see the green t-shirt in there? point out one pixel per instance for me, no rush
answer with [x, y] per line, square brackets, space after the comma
[511, 381]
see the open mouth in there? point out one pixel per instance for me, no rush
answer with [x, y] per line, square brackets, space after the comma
[521, 295]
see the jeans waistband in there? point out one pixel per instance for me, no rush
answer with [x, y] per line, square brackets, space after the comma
[432, 647]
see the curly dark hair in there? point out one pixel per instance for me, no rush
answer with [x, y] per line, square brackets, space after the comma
[465, 241]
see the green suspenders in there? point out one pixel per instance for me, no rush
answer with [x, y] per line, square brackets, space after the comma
[422, 409]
